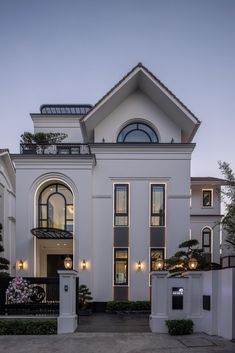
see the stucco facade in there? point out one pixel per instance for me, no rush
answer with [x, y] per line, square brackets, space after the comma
[93, 172]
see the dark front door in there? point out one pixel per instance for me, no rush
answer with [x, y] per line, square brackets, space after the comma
[55, 263]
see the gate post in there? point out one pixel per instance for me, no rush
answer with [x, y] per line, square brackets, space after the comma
[67, 320]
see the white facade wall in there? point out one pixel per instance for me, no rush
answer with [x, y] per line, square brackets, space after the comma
[68, 124]
[7, 209]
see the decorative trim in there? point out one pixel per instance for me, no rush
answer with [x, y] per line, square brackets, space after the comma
[101, 196]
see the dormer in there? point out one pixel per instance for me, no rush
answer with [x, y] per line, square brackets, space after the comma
[139, 102]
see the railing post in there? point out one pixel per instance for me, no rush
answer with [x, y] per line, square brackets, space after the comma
[67, 320]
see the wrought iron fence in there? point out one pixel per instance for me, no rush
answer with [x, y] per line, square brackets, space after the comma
[228, 261]
[43, 299]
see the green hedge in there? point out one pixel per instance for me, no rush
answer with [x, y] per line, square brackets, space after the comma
[114, 306]
[179, 327]
[28, 327]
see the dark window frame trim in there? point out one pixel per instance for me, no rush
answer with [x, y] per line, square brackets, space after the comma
[137, 128]
[153, 214]
[211, 198]
[115, 249]
[210, 239]
[126, 214]
[56, 192]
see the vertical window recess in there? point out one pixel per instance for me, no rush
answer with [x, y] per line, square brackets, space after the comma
[206, 240]
[121, 204]
[157, 205]
[120, 266]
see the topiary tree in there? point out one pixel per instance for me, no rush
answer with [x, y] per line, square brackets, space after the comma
[84, 296]
[179, 261]
[4, 263]
[42, 137]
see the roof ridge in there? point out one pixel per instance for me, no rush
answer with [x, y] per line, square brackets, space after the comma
[142, 66]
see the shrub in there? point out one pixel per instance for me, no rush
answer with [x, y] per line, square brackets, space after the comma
[114, 306]
[179, 327]
[28, 327]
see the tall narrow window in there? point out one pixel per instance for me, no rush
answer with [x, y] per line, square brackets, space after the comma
[206, 240]
[121, 204]
[157, 205]
[207, 198]
[120, 266]
[155, 254]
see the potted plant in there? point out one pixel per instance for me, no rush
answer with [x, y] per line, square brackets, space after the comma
[85, 299]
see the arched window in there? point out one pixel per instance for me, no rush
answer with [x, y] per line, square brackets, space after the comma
[137, 132]
[55, 207]
[206, 240]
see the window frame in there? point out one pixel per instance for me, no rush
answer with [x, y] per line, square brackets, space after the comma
[210, 240]
[137, 128]
[125, 214]
[41, 204]
[163, 249]
[153, 214]
[115, 260]
[211, 197]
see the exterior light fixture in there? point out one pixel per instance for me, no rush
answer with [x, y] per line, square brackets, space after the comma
[84, 264]
[139, 266]
[192, 264]
[20, 265]
[159, 264]
[68, 263]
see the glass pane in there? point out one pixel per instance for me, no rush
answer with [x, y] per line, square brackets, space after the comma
[149, 131]
[155, 255]
[121, 272]
[137, 136]
[56, 211]
[121, 199]
[206, 198]
[43, 212]
[43, 224]
[155, 221]
[157, 198]
[206, 237]
[69, 209]
[121, 254]
[66, 192]
[121, 221]
[47, 192]
[69, 226]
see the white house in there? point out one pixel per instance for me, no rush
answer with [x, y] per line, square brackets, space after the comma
[7, 206]
[117, 193]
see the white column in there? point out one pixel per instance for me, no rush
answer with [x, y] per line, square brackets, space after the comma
[67, 320]
[159, 312]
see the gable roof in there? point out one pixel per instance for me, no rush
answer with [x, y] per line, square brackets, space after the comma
[140, 77]
[208, 181]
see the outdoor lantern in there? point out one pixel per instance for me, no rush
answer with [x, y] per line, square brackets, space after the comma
[20, 264]
[159, 264]
[192, 264]
[139, 266]
[84, 264]
[68, 263]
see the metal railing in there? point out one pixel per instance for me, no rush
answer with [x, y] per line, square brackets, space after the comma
[55, 149]
[228, 261]
[43, 300]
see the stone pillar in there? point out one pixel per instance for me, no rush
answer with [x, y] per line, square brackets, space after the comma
[159, 312]
[67, 320]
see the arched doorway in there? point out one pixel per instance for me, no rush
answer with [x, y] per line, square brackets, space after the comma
[54, 227]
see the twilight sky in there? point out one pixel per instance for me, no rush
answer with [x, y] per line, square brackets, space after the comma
[74, 51]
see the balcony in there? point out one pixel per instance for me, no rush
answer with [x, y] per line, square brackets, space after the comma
[55, 149]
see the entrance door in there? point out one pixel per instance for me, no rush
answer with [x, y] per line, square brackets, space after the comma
[55, 263]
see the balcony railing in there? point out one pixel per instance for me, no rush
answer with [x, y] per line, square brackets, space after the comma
[55, 149]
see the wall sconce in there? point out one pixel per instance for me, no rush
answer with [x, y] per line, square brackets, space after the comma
[139, 266]
[192, 264]
[68, 263]
[159, 264]
[20, 265]
[84, 264]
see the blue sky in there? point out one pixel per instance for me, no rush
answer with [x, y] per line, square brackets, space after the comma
[74, 51]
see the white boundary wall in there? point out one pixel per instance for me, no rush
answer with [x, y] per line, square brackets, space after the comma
[219, 285]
